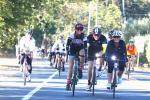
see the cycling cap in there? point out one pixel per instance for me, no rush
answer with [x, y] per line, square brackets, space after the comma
[97, 31]
[117, 33]
[79, 26]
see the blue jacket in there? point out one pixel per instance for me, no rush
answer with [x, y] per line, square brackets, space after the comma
[120, 51]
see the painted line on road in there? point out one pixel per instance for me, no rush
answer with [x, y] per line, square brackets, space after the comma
[30, 94]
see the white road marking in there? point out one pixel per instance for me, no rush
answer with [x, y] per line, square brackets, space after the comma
[30, 94]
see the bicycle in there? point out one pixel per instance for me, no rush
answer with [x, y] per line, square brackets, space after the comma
[26, 67]
[60, 63]
[94, 76]
[114, 75]
[74, 78]
[129, 66]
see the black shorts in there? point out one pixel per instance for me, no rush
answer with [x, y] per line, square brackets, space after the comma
[121, 66]
[74, 51]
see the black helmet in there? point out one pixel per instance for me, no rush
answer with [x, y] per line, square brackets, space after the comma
[97, 31]
[79, 26]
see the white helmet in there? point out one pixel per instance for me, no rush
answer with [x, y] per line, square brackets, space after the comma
[117, 33]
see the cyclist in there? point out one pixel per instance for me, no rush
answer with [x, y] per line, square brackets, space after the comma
[116, 47]
[95, 41]
[75, 44]
[60, 51]
[131, 51]
[51, 55]
[27, 45]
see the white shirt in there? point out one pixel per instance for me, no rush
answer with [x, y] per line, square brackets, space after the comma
[26, 44]
[59, 46]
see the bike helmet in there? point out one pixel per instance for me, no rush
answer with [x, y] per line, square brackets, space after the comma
[79, 26]
[131, 41]
[97, 31]
[110, 33]
[29, 31]
[117, 33]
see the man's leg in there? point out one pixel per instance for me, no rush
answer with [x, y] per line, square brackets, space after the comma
[101, 60]
[90, 65]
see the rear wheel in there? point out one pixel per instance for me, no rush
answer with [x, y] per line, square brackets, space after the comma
[24, 74]
[25, 79]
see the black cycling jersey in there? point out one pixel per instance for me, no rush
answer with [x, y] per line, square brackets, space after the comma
[95, 45]
[75, 43]
[119, 51]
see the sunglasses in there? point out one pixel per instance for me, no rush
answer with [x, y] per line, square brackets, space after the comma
[81, 29]
[116, 36]
[97, 35]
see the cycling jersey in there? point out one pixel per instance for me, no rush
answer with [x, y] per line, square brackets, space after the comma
[119, 51]
[26, 45]
[75, 43]
[59, 47]
[95, 45]
[131, 49]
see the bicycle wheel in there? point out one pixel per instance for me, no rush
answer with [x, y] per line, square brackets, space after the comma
[114, 84]
[59, 69]
[24, 75]
[25, 79]
[74, 82]
[93, 80]
[129, 73]
[114, 90]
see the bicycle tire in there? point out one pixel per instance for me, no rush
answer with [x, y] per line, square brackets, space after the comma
[74, 82]
[129, 73]
[114, 90]
[24, 75]
[114, 84]
[93, 80]
[25, 79]
[59, 69]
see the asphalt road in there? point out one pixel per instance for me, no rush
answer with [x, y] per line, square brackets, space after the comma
[47, 85]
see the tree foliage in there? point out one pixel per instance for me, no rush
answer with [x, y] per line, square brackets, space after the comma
[59, 16]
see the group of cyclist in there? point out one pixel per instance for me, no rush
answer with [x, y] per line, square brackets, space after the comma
[85, 47]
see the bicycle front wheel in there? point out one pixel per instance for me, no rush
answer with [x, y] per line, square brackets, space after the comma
[93, 80]
[114, 90]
